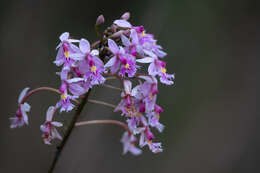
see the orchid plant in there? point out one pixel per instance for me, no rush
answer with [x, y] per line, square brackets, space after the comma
[119, 54]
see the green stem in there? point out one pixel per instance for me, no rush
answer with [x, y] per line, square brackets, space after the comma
[70, 128]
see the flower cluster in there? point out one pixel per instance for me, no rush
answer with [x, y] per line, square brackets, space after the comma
[121, 52]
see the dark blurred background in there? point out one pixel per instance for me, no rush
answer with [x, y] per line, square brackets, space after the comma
[210, 113]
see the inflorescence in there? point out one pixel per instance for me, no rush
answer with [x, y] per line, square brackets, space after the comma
[121, 53]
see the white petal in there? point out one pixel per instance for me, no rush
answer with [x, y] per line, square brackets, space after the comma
[64, 36]
[56, 134]
[145, 60]
[134, 36]
[135, 90]
[98, 61]
[23, 93]
[152, 69]
[73, 40]
[76, 79]
[94, 52]
[149, 79]
[111, 62]
[127, 86]
[141, 140]
[150, 53]
[84, 45]
[43, 128]
[134, 150]
[77, 56]
[59, 45]
[122, 23]
[112, 46]
[160, 127]
[74, 48]
[121, 50]
[26, 107]
[50, 113]
[125, 40]
[144, 121]
[25, 118]
[57, 124]
[138, 130]
[161, 53]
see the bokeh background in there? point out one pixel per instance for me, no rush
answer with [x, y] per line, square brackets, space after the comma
[210, 112]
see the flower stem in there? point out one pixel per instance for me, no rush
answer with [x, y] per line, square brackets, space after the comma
[43, 89]
[39, 89]
[112, 87]
[119, 123]
[101, 103]
[68, 132]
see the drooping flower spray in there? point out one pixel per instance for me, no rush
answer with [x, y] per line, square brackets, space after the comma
[119, 54]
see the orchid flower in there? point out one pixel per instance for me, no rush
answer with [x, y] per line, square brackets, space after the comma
[48, 128]
[21, 116]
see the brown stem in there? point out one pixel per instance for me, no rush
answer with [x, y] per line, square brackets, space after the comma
[74, 119]
[70, 128]
[95, 44]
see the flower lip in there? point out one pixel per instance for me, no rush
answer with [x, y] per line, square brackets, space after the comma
[93, 69]
[127, 65]
[63, 87]
[158, 109]
[163, 70]
[19, 113]
[149, 134]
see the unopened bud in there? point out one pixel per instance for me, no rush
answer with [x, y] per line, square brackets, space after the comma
[100, 20]
[125, 16]
[113, 28]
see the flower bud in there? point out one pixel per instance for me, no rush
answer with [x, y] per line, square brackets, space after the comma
[100, 20]
[113, 28]
[125, 16]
